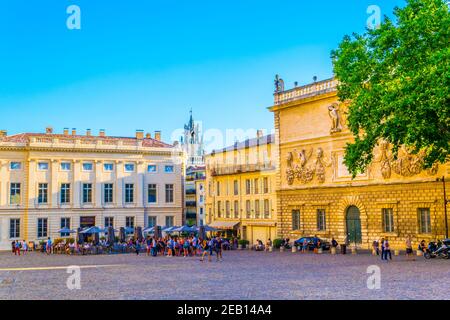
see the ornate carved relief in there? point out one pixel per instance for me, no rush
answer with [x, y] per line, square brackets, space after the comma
[303, 172]
[406, 164]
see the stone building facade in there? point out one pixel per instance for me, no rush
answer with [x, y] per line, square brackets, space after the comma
[240, 189]
[316, 195]
[49, 181]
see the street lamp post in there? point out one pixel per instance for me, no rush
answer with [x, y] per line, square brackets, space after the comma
[445, 206]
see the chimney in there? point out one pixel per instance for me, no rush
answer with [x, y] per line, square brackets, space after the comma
[259, 134]
[158, 135]
[3, 133]
[88, 132]
[102, 133]
[74, 131]
[49, 130]
[148, 136]
[139, 134]
[66, 131]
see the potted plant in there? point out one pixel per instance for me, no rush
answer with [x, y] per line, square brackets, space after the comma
[242, 244]
[277, 243]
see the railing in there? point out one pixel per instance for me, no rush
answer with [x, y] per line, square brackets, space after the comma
[303, 92]
[233, 169]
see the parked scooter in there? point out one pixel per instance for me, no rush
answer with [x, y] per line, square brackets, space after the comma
[436, 251]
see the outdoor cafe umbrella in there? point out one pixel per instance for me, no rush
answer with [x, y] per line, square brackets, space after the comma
[66, 230]
[149, 230]
[92, 230]
[169, 229]
[185, 229]
[80, 236]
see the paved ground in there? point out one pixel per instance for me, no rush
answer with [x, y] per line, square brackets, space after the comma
[242, 275]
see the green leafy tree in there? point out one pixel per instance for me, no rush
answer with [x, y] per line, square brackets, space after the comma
[396, 79]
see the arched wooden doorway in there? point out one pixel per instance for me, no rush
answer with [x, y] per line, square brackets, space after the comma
[353, 224]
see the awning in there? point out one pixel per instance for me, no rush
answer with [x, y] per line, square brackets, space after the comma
[224, 225]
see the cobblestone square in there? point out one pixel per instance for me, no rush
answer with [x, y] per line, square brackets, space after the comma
[241, 275]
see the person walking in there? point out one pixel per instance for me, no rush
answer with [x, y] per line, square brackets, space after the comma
[206, 250]
[375, 247]
[49, 246]
[387, 250]
[344, 245]
[382, 249]
[24, 247]
[149, 245]
[17, 248]
[218, 248]
[186, 246]
[409, 249]
[137, 246]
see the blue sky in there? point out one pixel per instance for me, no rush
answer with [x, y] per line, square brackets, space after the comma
[142, 64]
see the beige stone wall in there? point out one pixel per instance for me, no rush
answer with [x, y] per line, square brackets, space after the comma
[29, 210]
[312, 176]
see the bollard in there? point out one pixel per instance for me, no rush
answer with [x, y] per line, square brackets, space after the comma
[419, 253]
[396, 252]
[282, 249]
[240, 247]
[333, 250]
[270, 249]
[374, 252]
[354, 251]
[294, 249]
[320, 251]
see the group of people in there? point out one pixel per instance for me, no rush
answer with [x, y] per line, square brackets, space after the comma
[21, 246]
[191, 246]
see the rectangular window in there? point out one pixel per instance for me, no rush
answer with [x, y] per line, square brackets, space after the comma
[257, 209]
[218, 189]
[248, 209]
[168, 169]
[219, 209]
[169, 193]
[266, 209]
[256, 186]
[65, 166]
[108, 167]
[14, 195]
[151, 221]
[248, 186]
[42, 193]
[266, 185]
[151, 168]
[43, 166]
[200, 199]
[152, 193]
[169, 221]
[129, 222]
[87, 192]
[87, 166]
[424, 220]
[129, 167]
[65, 193]
[321, 220]
[236, 187]
[388, 219]
[227, 209]
[236, 209]
[42, 231]
[129, 193]
[14, 228]
[108, 193]
[15, 165]
[65, 224]
[295, 219]
[109, 222]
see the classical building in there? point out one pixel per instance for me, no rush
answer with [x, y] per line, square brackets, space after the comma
[194, 195]
[240, 189]
[316, 195]
[192, 146]
[49, 181]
